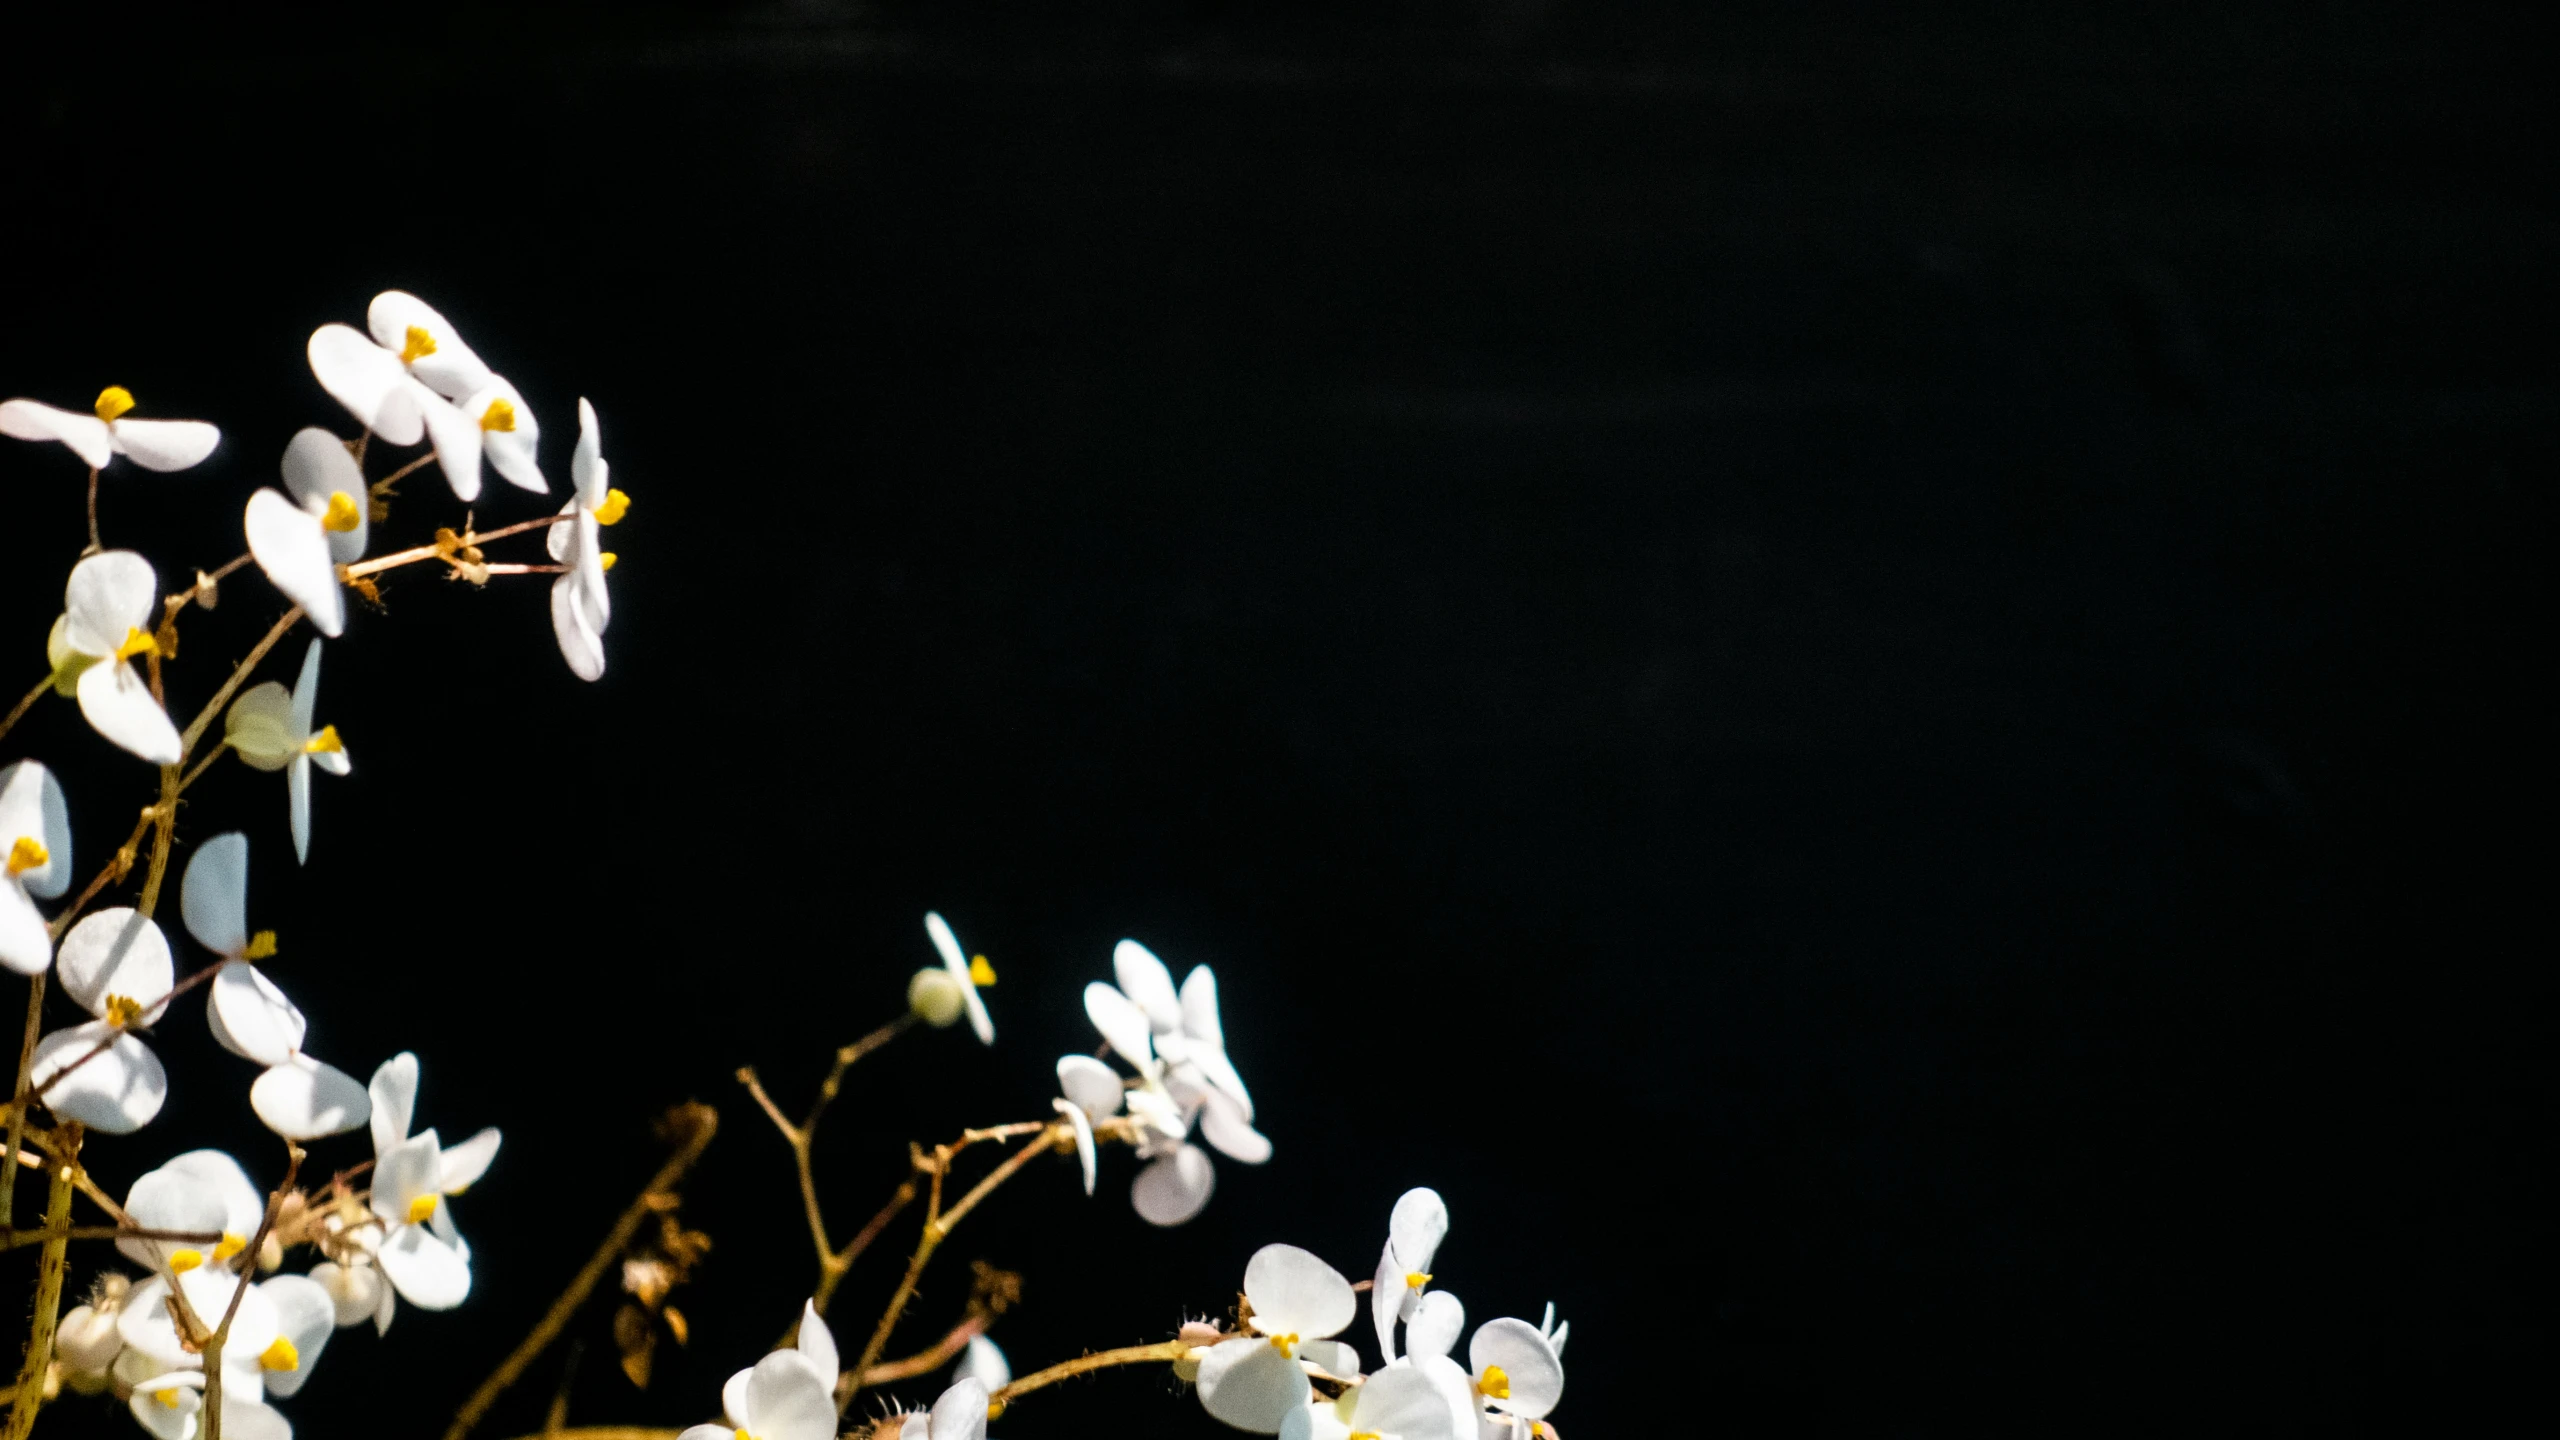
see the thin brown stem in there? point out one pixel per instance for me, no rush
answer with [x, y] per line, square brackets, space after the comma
[18, 1100]
[700, 1122]
[119, 865]
[18, 711]
[604, 1432]
[403, 473]
[416, 553]
[48, 1298]
[833, 1273]
[213, 707]
[802, 1139]
[87, 1186]
[15, 1239]
[94, 545]
[240, 1289]
[940, 1354]
[1166, 1350]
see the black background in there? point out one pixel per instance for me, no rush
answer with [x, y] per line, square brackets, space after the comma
[1863, 676]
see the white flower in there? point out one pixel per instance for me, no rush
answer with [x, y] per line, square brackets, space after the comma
[1089, 1091]
[580, 607]
[959, 1414]
[782, 1398]
[962, 974]
[200, 1192]
[114, 964]
[814, 1349]
[421, 1253]
[1516, 1373]
[111, 597]
[1396, 1404]
[148, 1327]
[35, 862]
[1415, 1228]
[299, 1097]
[304, 532]
[106, 432]
[305, 1314]
[415, 377]
[270, 727]
[1176, 1044]
[1298, 1304]
[984, 1363]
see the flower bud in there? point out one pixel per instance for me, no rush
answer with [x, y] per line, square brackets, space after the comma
[354, 1289]
[87, 1343]
[935, 998]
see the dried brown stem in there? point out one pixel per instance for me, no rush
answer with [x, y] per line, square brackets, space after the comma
[48, 1298]
[19, 711]
[1167, 1350]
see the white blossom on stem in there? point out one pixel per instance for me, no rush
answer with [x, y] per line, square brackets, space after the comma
[111, 598]
[814, 1348]
[959, 1413]
[1298, 1303]
[943, 998]
[270, 728]
[1401, 1403]
[200, 1192]
[1515, 1372]
[414, 378]
[301, 534]
[299, 1097]
[1415, 1228]
[983, 1362]
[115, 964]
[580, 608]
[108, 431]
[781, 1398]
[421, 1253]
[35, 862]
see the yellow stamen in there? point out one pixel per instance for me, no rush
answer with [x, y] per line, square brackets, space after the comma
[423, 1209]
[743, 1435]
[136, 643]
[280, 1356]
[1285, 1344]
[261, 945]
[980, 972]
[182, 1261]
[1366, 1435]
[1415, 1279]
[417, 345]
[1494, 1385]
[122, 1011]
[230, 1245]
[169, 1397]
[605, 559]
[499, 416]
[343, 515]
[26, 853]
[615, 503]
[326, 742]
[114, 401]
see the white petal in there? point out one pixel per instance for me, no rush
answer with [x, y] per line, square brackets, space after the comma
[957, 962]
[785, 1400]
[172, 1199]
[1386, 1300]
[86, 435]
[454, 370]
[115, 1093]
[259, 727]
[214, 898]
[305, 1314]
[1212, 1063]
[916, 1426]
[457, 440]
[588, 475]
[165, 445]
[709, 1432]
[984, 1363]
[817, 1343]
[1435, 1325]
[1091, 1084]
[369, 380]
[581, 644]
[979, 1020]
[26, 944]
[304, 1099]
[110, 594]
[353, 1289]
[1173, 1187]
[1413, 1402]
[242, 1204]
[1222, 1124]
[252, 1420]
[733, 1399]
[1333, 1357]
[405, 1172]
[1121, 1022]
[1416, 1227]
[960, 1413]
[1318, 1419]
[1084, 1137]
[1200, 1006]
[294, 551]
[395, 1098]
[317, 466]
[167, 1422]
[1535, 1370]
[1556, 1341]
[511, 454]
[297, 807]
[463, 1165]
[429, 1272]
[1145, 981]
[119, 706]
[1294, 1293]
[115, 952]
[31, 805]
[251, 1018]
[1251, 1385]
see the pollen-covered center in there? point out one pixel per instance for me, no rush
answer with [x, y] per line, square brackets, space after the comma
[136, 643]
[326, 742]
[231, 1244]
[1416, 1279]
[261, 945]
[605, 559]
[423, 1209]
[501, 415]
[343, 515]
[615, 505]
[122, 1011]
[114, 401]
[980, 972]
[417, 345]
[169, 1396]
[1494, 1384]
[1286, 1344]
[280, 1356]
[182, 1261]
[26, 853]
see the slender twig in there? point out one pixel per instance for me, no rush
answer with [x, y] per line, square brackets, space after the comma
[239, 1289]
[831, 1275]
[416, 553]
[80, 1178]
[48, 1299]
[700, 1122]
[213, 707]
[94, 545]
[802, 1139]
[119, 865]
[939, 1354]
[18, 711]
[164, 832]
[1167, 1350]
[18, 1100]
[16, 1238]
[605, 1432]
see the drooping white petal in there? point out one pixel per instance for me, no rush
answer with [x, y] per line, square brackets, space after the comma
[251, 1018]
[1295, 1293]
[297, 807]
[305, 1314]
[395, 1098]
[957, 962]
[1528, 1361]
[1223, 1125]
[1091, 1084]
[369, 380]
[32, 807]
[816, 1343]
[405, 1173]
[259, 727]
[464, 1164]
[1318, 1419]
[733, 1398]
[1417, 1225]
[508, 436]
[304, 1099]
[1386, 1300]
[1121, 1022]
[1084, 1137]
[451, 368]
[119, 706]
[429, 1271]
[84, 435]
[1435, 1325]
[167, 1409]
[353, 1289]
[456, 437]
[1173, 1187]
[581, 643]
[1251, 1384]
[316, 467]
[177, 1200]
[26, 944]
[214, 898]
[785, 1400]
[293, 550]
[117, 951]
[984, 1363]
[1148, 984]
[115, 1092]
[960, 1413]
[589, 476]
[164, 445]
[110, 594]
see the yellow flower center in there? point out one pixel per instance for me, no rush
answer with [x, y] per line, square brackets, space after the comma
[261, 945]
[980, 972]
[169, 1396]
[615, 503]
[499, 416]
[136, 643]
[231, 1245]
[1415, 1279]
[417, 345]
[743, 1435]
[423, 1209]
[343, 515]
[1494, 1384]
[604, 560]
[1366, 1435]
[1285, 1344]
[114, 401]
[26, 853]
[122, 1011]
[326, 742]
[280, 1356]
[182, 1261]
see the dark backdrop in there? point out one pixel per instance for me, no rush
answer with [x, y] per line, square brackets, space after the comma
[1863, 677]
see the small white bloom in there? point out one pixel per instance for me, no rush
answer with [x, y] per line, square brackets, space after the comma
[1515, 1372]
[301, 534]
[968, 971]
[1088, 1091]
[814, 1348]
[270, 727]
[115, 964]
[984, 1363]
[299, 1097]
[413, 378]
[1256, 1382]
[305, 1314]
[1415, 1228]
[107, 432]
[200, 1192]
[111, 598]
[960, 1413]
[423, 1255]
[149, 1329]
[1175, 1042]
[781, 1398]
[35, 862]
[1395, 1404]
[580, 608]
